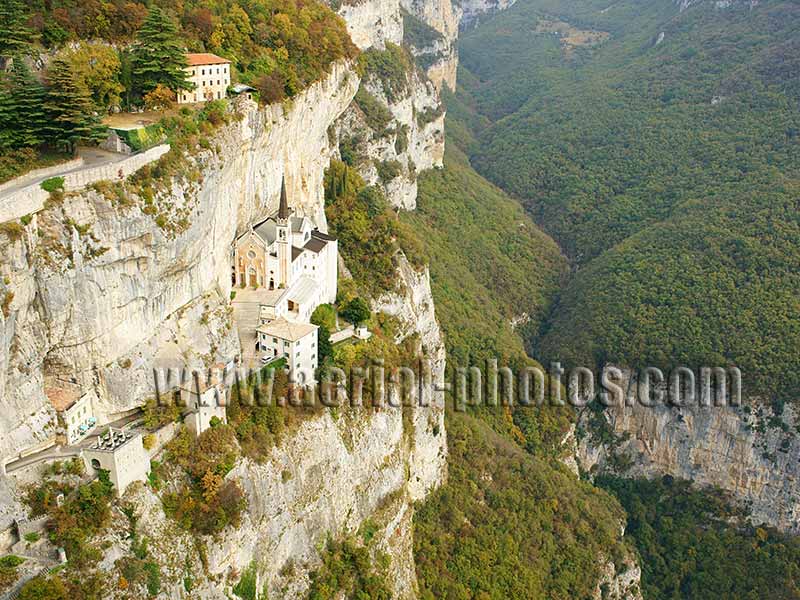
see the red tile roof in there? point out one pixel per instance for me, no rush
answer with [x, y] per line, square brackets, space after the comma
[195, 60]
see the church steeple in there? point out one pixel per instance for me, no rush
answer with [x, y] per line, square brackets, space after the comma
[283, 207]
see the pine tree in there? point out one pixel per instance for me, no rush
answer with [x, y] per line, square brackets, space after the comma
[70, 109]
[15, 35]
[158, 56]
[22, 114]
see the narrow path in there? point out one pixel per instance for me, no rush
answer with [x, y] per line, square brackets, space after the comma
[62, 452]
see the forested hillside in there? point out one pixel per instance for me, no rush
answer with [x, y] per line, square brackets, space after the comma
[661, 150]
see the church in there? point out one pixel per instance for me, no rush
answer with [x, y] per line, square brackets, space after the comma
[293, 268]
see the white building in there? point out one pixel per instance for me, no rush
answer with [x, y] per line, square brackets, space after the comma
[285, 252]
[294, 268]
[211, 76]
[122, 454]
[294, 341]
[75, 411]
[204, 401]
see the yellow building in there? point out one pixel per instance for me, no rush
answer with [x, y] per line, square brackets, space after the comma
[211, 75]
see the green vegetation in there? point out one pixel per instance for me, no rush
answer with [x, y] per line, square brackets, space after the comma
[210, 502]
[54, 184]
[246, 588]
[509, 525]
[376, 113]
[667, 172]
[143, 137]
[388, 170]
[391, 67]
[369, 233]
[351, 569]
[489, 262]
[8, 570]
[692, 544]
[158, 57]
[291, 43]
[83, 514]
[418, 33]
[356, 311]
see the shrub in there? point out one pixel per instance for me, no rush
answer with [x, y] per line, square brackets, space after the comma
[12, 230]
[149, 441]
[271, 88]
[375, 112]
[391, 66]
[388, 169]
[54, 184]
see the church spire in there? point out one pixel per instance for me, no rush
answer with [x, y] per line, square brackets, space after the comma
[283, 207]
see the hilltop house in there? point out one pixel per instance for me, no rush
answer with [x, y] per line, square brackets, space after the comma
[294, 268]
[211, 76]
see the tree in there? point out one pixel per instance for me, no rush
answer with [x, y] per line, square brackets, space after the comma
[15, 35]
[98, 65]
[70, 109]
[324, 346]
[22, 116]
[158, 57]
[159, 98]
[357, 311]
[41, 588]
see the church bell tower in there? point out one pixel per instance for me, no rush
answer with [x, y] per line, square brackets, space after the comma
[284, 239]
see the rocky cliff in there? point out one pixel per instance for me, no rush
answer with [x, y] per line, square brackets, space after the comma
[100, 292]
[473, 10]
[747, 451]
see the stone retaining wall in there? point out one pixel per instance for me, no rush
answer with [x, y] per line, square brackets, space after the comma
[31, 199]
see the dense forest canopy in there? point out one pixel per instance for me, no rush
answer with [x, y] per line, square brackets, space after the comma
[664, 159]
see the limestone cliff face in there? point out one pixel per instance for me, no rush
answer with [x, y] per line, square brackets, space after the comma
[373, 23]
[474, 10]
[413, 143]
[391, 157]
[98, 293]
[746, 451]
[443, 17]
[102, 301]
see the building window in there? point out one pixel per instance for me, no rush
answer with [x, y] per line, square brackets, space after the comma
[203, 72]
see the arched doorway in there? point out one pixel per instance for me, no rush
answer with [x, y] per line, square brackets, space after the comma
[272, 283]
[253, 278]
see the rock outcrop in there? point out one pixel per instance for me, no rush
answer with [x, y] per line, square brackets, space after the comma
[474, 10]
[746, 451]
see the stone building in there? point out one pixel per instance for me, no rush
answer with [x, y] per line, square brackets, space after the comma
[204, 401]
[294, 341]
[122, 454]
[75, 410]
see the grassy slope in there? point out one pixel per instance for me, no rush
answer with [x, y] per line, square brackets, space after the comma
[681, 213]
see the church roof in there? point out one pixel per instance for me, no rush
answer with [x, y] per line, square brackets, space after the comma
[287, 330]
[304, 290]
[322, 236]
[315, 245]
[283, 206]
[296, 252]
